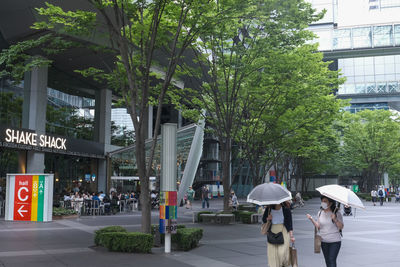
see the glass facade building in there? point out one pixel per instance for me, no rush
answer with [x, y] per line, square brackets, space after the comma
[363, 38]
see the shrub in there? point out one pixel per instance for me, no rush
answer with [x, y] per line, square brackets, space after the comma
[237, 215]
[187, 238]
[98, 235]
[156, 228]
[247, 207]
[202, 212]
[63, 212]
[368, 198]
[127, 242]
[245, 216]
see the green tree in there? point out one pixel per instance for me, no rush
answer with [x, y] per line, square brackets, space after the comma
[370, 145]
[237, 66]
[147, 39]
[292, 116]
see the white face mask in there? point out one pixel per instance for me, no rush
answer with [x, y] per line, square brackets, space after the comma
[324, 205]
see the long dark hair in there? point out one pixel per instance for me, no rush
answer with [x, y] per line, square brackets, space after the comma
[333, 204]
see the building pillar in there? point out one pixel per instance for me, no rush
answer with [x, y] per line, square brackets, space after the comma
[102, 132]
[34, 115]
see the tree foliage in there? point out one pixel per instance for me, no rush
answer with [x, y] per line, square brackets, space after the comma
[258, 80]
[370, 144]
[147, 39]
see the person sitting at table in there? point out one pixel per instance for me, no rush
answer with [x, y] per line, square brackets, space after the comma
[107, 204]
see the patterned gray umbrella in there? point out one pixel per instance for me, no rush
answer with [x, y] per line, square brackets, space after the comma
[269, 194]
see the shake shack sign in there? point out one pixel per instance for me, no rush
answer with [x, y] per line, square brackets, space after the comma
[24, 139]
[33, 139]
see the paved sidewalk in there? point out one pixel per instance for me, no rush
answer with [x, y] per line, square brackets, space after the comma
[370, 240]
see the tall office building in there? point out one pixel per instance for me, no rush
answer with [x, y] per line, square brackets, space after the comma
[362, 38]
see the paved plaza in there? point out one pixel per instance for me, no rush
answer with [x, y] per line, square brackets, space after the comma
[370, 239]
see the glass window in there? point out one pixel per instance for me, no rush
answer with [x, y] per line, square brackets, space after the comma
[342, 90]
[359, 70]
[392, 87]
[379, 69]
[379, 78]
[360, 88]
[359, 79]
[381, 88]
[390, 3]
[350, 79]
[383, 35]
[350, 88]
[389, 68]
[370, 87]
[362, 37]
[369, 70]
[324, 39]
[397, 34]
[390, 77]
[370, 78]
[342, 39]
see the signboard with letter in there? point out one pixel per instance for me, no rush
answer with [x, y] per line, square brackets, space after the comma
[30, 140]
[29, 197]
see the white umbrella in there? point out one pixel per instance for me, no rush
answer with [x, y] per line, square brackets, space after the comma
[268, 194]
[341, 194]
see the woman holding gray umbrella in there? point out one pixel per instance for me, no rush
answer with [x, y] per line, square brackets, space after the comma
[279, 228]
[280, 218]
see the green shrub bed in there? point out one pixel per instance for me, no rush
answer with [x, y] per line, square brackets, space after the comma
[127, 242]
[187, 238]
[155, 228]
[63, 212]
[237, 215]
[245, 216]
[98, 235]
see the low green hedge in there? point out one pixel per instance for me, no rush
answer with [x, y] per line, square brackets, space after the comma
[110, 229]
[245, 216]
[127, 242]
[156, 228]
[187, 238]
[202, 212]
[63, 212]
[246, 207]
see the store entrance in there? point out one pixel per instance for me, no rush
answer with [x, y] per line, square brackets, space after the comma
[72, 173]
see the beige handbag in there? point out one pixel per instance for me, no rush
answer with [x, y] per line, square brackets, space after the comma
[265, 227]
[293, 256]
[317, 241]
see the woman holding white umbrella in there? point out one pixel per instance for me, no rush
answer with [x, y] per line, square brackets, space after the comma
[330, 224]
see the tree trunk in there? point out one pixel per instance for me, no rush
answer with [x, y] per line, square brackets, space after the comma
[226, 160]
[144, 183]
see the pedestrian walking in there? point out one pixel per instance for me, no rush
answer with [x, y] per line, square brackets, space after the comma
[204, 197]
[234, 203]
[190, 197]
[280, 218]
[329, 224]
[381, 194]
[374, 194]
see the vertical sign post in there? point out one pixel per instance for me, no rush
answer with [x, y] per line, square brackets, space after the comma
[29, 197]
[168, 198]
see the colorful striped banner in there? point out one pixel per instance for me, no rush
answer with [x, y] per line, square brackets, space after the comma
[29, 198]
